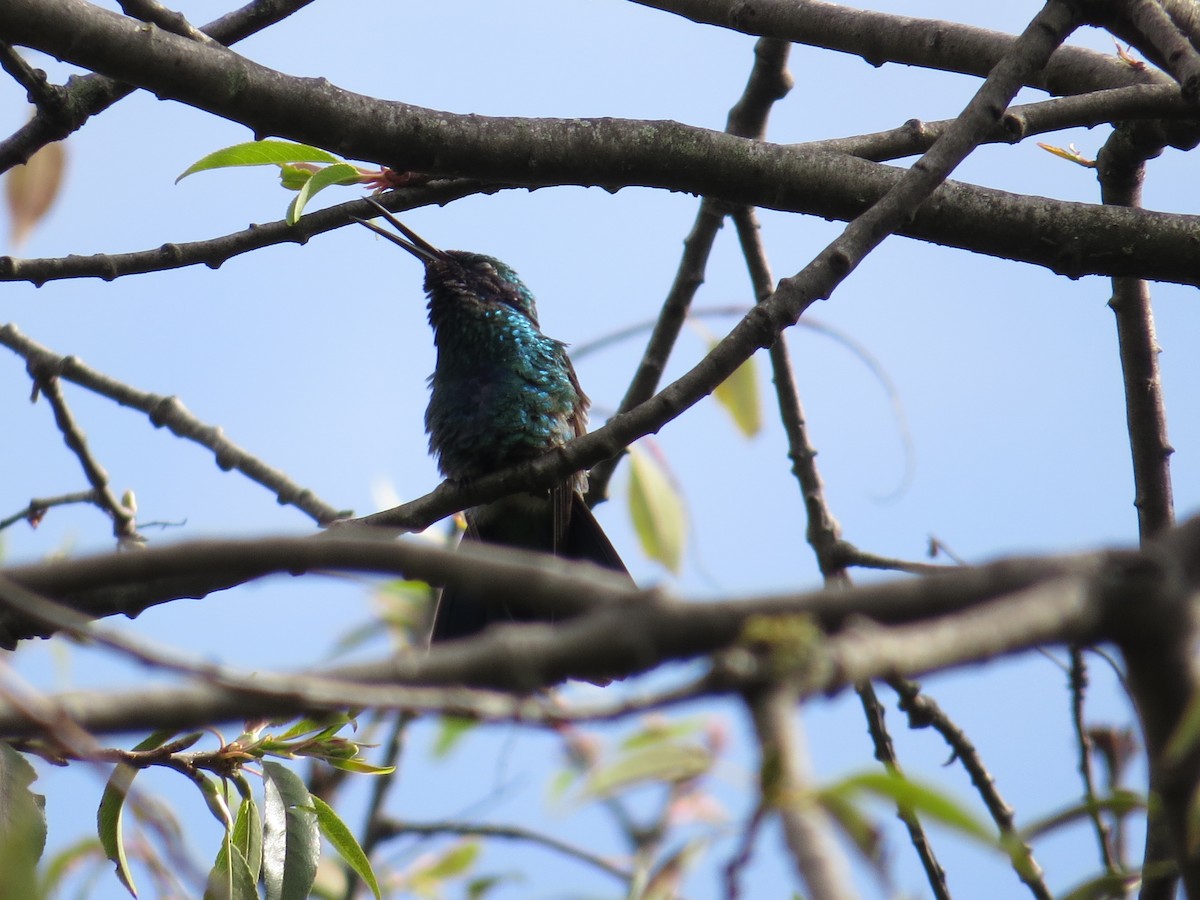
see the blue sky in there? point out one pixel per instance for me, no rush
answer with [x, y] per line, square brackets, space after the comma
[315, 357]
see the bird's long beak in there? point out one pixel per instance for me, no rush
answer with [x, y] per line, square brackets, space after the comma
[412, 242]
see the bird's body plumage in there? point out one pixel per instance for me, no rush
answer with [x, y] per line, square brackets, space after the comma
[501, 393]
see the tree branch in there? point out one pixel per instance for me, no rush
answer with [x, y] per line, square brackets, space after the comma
[1019, 122]
[37, 507]
[388, 829]
[1148, 27]
[917, 625]
[45, 96]
[1158, 631]
[124, 524]
[46, 367]
[881, 38]
[769, 82]
[1069, 238]
[786, 784]
[1121, 167]
[83, 97]
[214, 252]
[124, 583]
[924, 712]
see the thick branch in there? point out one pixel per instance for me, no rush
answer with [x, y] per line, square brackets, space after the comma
[1147, 26]
[1068, 238]
[1018, 123]
[86, 96]
[1158, 632]
[129, 583]
[919, 624]
[883, 37]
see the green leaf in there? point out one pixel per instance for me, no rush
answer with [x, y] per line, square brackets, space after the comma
[478, 888]
[919, 798]
[22, 824]
[739, 395]
[1120, 804]
[451, 730]
[359, 766]
[339, 173]
[659, 762]
[214, 798]
[108, 822]
[330, 724]
[247, 835]
[231, 878]
[858, 827]
[112, 810]
[330, 749]
[66, 861]
[667, 879]
[291, 838]
[259, 153]
[342, 840]
[1104, 887]
[562, 780]
[658, 730]
[658, 514]
[293, 177]
[1186, 735]
[457, 860]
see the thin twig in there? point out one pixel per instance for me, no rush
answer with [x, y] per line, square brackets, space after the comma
[45, 96]
[47, 366]
[688, 278]
[1079, 682]
[823, 532]
[388, 829]
[745, 850]
[124, 523]
[38, 505]
[768, 82]
[1123, 104]
[924, 712]
[864, 560]
[885, 753]
[214, 252]
[372, 828]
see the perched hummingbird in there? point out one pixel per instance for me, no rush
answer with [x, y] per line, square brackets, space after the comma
[502, 392]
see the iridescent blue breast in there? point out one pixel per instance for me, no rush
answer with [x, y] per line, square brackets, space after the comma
[502, 391]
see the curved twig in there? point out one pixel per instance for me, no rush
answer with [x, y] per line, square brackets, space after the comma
[169, 412]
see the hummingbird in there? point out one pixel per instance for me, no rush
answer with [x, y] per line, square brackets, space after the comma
[501, 393]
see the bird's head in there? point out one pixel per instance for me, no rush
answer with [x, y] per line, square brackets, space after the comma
[457, 276]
